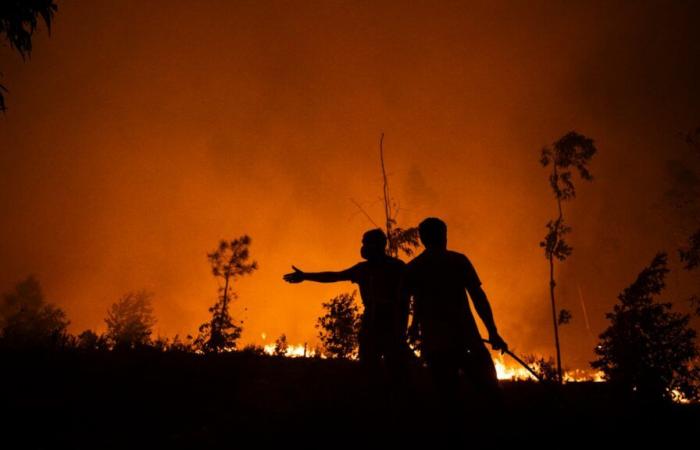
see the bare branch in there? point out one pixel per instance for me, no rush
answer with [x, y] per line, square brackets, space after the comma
[362, 210]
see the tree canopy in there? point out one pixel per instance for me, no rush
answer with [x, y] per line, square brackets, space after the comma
[28, 320]
[648, 350]
[130, 321]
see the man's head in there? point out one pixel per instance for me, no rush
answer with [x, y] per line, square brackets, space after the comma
[373, 244]
[433, 233]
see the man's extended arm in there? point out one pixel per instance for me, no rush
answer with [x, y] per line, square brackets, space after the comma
[483, 308]
[321, 277]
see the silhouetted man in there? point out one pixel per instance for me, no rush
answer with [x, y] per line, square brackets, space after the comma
[385, 316]
[438, 280]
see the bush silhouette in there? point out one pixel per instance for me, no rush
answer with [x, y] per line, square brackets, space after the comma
[130, 321]
[339, 326]
[28, 321]
[648, 350]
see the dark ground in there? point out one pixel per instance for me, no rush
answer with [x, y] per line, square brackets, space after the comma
[175, 400]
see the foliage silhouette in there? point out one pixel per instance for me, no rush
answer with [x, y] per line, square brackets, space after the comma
[564, 317]
[573, 151]
[28, 321]
[339, 326]
[130, 321]
[88, 340]
[690, 253]
[648, 350]
[19, 20]
[228, 262]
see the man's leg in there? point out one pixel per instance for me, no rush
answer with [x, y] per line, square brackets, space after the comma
[481, 372]
[444, 369]
[369, 354]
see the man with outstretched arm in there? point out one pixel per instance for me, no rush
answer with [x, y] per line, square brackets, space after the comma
[385, 315]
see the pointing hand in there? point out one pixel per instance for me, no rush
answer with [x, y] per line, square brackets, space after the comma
[294, 277]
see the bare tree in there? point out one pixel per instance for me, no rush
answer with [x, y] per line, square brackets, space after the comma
[572, 151]
[398, 239]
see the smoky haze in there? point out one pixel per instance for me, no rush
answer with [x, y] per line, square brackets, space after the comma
[141, 133]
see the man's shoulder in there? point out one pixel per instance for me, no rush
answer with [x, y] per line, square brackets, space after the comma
[359, 267]
[396, 261]
[371, 266]
[416, 262]
[457, 256]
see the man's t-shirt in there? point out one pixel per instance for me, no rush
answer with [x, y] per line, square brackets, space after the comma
[438, 282]
[379, 282]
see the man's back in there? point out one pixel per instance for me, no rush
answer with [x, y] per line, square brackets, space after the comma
[378, 280]
[437, 279]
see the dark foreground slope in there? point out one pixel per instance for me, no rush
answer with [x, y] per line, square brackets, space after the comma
[170, 399]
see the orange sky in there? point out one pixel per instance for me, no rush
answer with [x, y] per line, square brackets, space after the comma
[141, 133]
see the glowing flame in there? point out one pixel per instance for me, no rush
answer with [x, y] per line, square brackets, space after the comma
[293, 351]
[504, 370]
[578, 375]
[678, 397]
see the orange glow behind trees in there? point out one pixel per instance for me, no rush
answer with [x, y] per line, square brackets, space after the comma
[133, 142]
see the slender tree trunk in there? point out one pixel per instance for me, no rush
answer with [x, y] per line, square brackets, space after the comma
[552, 284]
[224, 305]
[387, 200]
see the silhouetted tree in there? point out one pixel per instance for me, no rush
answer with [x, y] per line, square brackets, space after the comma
[648, 350]
[88, 340]
[572, 151]
[339, 326]
[18, 22]
[281, 346]
[130, 321]
[228, 261]
[690, 252]
[690, 257]
[398, 239]
[28, 321]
